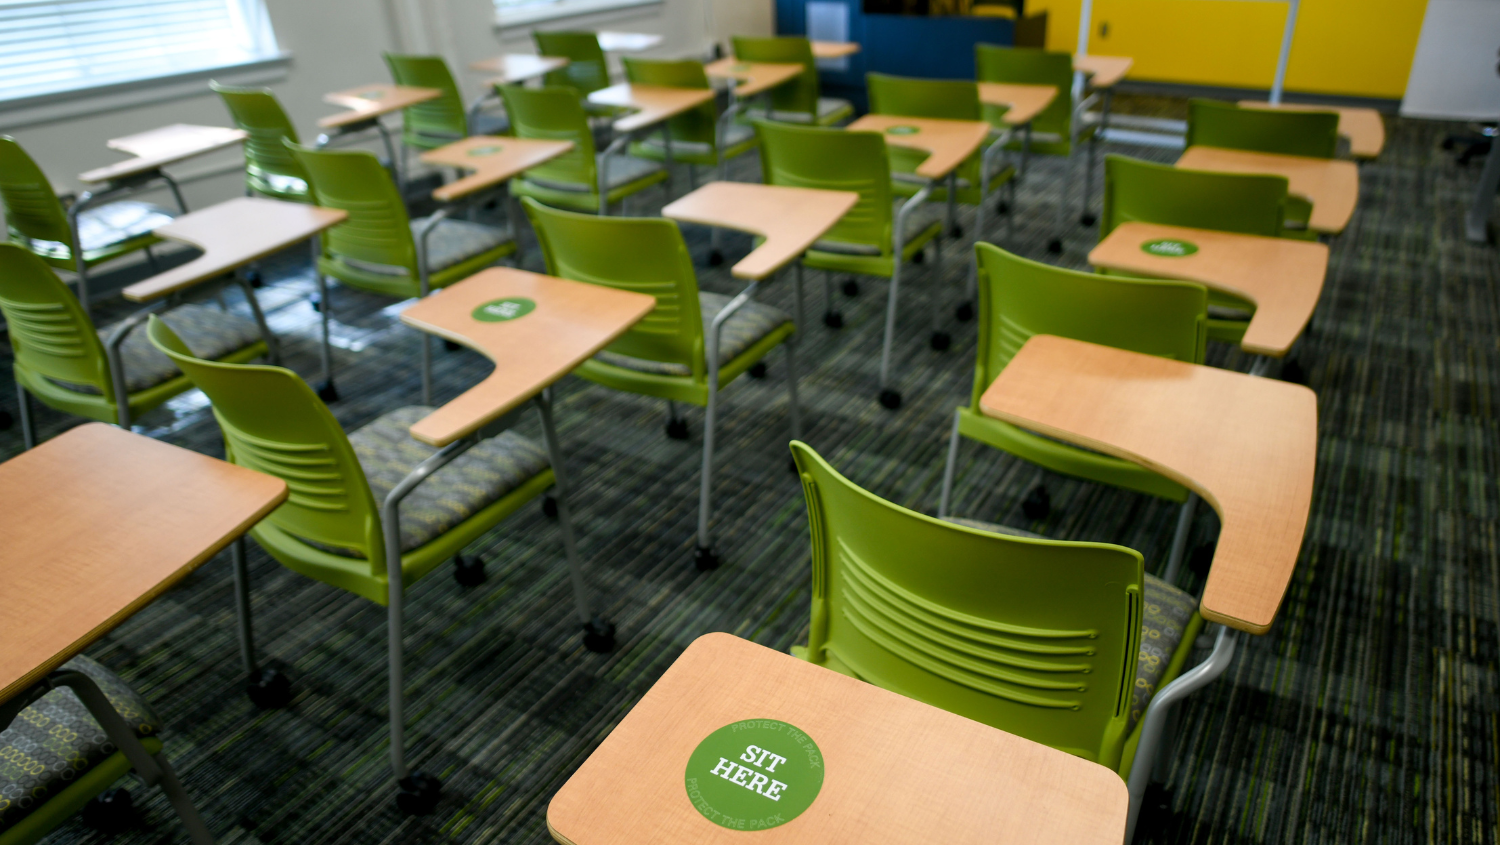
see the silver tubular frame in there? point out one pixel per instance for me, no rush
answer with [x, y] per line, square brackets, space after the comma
[242, 610]
[705, 487]
[423, 289]
[28, 428]
[996, 149]
[602, 167]
[117, 364]
[1180, 538]
[584, 602]
[950, 468]
[273, 345]
[899, 249]
[113, 188]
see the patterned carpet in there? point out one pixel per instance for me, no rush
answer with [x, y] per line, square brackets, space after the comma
[1368, 713]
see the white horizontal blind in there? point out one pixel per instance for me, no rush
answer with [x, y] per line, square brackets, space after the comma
[63, 45]
[502, 4]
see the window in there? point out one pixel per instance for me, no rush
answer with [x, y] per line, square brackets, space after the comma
[512, 13]
[67, 45]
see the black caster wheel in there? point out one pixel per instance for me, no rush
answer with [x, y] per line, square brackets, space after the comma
[964, 312]
[549, 506]
[677, 429]
[315, 302]
[833, 320]
[328, 392]
[254, 278]
[715, 258]
[468, 570]
[1038, 503]
[6, 421]
[758, 369]
[269, 689]
[1054, 246]
[417, 794]
[705, 558]
[920, 258]
[451, 346]
[1448, 143]
[1156, 811]
[599, 635]
[851, 287]
[956, 232]
[1088, 218]
[890, 399]
[1002, 207]
[941, 341]
[1291, 372]
[791, 464]
[111, 811]
[1201, 557]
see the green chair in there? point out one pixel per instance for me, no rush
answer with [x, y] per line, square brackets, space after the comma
[864, 241]
[1212, 123]
[111, 375]
[1245, 203]
[586, 70]
[79, 237]
[66, 740]
[435, 123]
[1020, 298]
[375, 503]
[1070, 644]
[796, 101]
[695, 134]
[270, 169]
[581, 180]
[689, 347]
[379, 249]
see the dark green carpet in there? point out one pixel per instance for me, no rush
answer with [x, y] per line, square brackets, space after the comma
[1368, 714]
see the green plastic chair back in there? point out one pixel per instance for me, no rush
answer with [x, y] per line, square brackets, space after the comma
[834, 159]
[586, 71]
[1027, 66]
[1036, 637]
[270, 168]
[32, 209]
[695, 126]
[644, 255]
[50, 335]
[1250, 204]
[434, 123]
[554, 113]
[377, 230]
[952, 99]
[1299, 133]
[798, 95]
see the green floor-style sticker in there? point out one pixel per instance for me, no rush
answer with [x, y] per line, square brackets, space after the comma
[500, 310]
[1169, 248]
[902, 130]
[754, 775]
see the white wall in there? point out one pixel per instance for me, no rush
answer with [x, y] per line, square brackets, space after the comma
[1454, 72]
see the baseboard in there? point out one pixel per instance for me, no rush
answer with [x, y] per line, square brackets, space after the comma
[1173, 89]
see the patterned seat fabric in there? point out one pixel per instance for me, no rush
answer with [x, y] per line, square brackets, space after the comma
[738, 133]
[109, 224]
[741, 331]
[457, 240]
[827, 106]
[55, 740]
[920, 219]
[622, 171]
[209, 333]
[478, 477]
[1168, 611]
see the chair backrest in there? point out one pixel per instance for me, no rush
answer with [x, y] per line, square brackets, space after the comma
[695, 125]
[1027, 66]
[1212, 123]
[442, 118]
[274, 423]
[645, 255]
[839, 160]
[50, 334]
[554, 113]
[952, 99]
[1247, 203]
[32, 209]
[377, 230]
[257, 111]
[1019, 298]
[799, 95]
[1035, 637]
[586, 70]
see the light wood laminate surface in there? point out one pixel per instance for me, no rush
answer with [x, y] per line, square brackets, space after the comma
[368, 102]
[1103, 71]
[834, 49]
[651, 103]
[492, 158]
[1247, 445]
[895, 771]
[1363, 127]
[790, 219]
[97, 523]
[950, 142]
[232, 234]
[628, 42]
[1331, 185]
[1023, 102]
[571, 321]
[160, 147]
[1283, 277]
[751, 78]
[517, 67]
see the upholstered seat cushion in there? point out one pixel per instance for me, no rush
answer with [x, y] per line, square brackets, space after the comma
[478, 477]
[623, 170]
[738, 133]
[920, 219]
[55, 740]
[108, 225]
[454, 241]
[210, 333]
[753, 321]
[827, 108]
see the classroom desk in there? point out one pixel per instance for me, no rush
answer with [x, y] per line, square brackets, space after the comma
[628, 42]
[650, 104]
[950, 142]
[834, 49]
[366, 105]
[1331, 185]
[1363, 127]
[789, 219]
[1103, 71]
[892, 769]
[493, 160]
[1283, 277]
[752, 78]
[1247, 445]
[1023, 102]
[157, 148]
[510, 68]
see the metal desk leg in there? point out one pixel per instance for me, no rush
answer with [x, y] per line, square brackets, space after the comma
[1476, 222]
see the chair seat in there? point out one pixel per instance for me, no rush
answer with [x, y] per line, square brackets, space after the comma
[56, 740]
[210, 333]
[107, 226]
[478, 477]
[623, 170]
[284, 184]
[489, 123]
[828, 110]
[456, 240]
[918, 222]
[738, 133]
[753, 321]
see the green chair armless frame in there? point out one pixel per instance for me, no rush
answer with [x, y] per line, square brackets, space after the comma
[1041, 638]
[379, 249]
[795, 101]
[574, 180]
[60, 358]
[270, 169]
[36, 219]
[863, 242]
[689, 347]
[332, 529]
[434, 123]
[587, 70]
[695, 133]
[1245, 203]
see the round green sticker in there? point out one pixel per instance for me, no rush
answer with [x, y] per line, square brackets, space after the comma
[754, 775]
[902, 130]
[371, 95]
[486, 150]
[1168, 248]
[500, 310]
